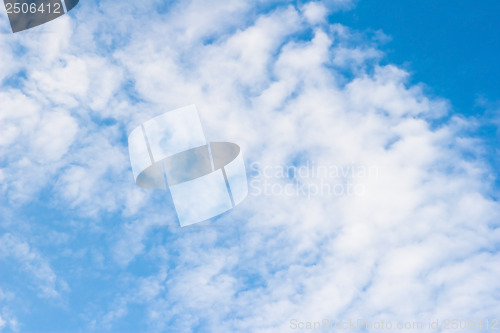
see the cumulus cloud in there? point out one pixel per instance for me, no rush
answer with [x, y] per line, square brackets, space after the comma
[418, 241]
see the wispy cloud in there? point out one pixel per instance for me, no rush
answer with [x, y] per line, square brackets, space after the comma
[33, 264]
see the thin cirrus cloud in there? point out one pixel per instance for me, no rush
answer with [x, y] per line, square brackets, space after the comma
[419, 242]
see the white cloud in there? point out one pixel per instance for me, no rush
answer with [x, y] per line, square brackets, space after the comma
[56, 132]
[314, 12]
[89, 180]
[7, 321]
[361, 255]
[34, 139]
[34, 264]
[419, 243]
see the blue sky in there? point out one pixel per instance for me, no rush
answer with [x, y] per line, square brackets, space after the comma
[406, 88]
[450, 46]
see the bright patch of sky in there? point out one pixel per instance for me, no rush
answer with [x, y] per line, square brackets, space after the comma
[450, 46]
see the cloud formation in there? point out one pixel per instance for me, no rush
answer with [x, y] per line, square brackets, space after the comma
[294, 90]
